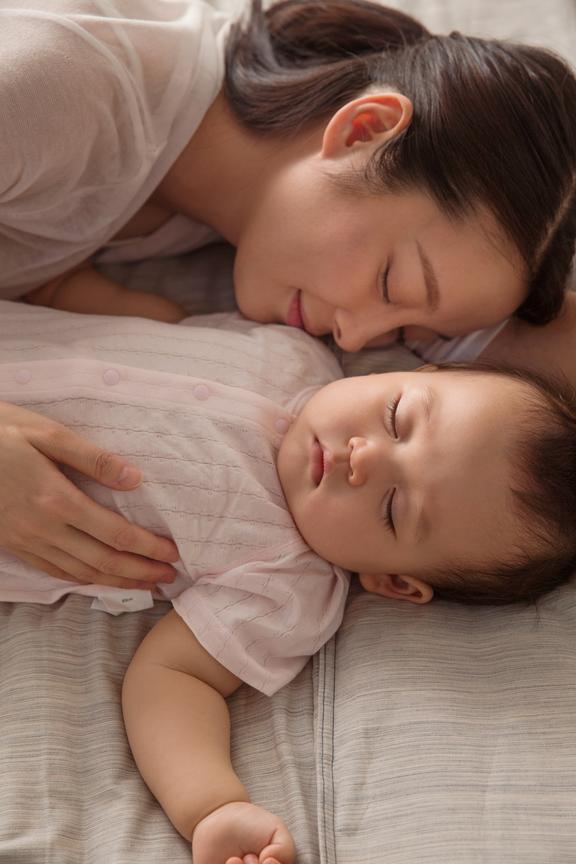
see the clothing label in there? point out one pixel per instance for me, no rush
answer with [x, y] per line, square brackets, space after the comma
[123, 601]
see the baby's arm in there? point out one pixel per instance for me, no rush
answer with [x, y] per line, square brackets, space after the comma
[178, 726]
[86, 290]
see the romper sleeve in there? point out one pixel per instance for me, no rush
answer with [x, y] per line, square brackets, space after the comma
[264, 620]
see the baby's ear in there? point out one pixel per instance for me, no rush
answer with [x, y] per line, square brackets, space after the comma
[397, 587]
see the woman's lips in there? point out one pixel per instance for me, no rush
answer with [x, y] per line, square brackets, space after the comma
[294, 317]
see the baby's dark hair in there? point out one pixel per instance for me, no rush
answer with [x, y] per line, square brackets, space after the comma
[544, 459]
[494, 122]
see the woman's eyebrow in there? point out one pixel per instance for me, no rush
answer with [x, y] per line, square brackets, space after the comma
[430, 281]
[428, 398]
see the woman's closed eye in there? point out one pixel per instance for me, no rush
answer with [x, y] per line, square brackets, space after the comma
[384, 285]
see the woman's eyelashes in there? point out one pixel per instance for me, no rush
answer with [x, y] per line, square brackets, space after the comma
[384, 285]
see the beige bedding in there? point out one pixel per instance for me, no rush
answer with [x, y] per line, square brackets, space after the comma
[432, 735]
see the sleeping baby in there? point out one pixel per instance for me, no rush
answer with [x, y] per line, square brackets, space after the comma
[277, 478]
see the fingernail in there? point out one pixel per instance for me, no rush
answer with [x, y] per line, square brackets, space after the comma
[129, 476]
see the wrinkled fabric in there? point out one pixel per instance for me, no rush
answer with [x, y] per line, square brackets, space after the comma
[202, 411]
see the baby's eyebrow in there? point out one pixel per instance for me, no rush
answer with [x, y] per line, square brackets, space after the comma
[422, 526]
[422, 522]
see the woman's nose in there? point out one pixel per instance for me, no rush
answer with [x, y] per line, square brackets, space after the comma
[352, 332]
[347, 335]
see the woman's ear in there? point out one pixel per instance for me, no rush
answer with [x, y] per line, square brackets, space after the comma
[397, 587]
[367, 120]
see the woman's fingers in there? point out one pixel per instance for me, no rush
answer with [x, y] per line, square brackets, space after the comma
[62, 565]
[62, 445]
[116, 535]
[65, 572]
[46, 566]
[89, 560]
[42, 511]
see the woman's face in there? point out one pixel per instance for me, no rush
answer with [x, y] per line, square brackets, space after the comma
[360, 268]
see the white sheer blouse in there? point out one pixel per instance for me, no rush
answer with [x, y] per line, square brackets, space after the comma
[97, 100]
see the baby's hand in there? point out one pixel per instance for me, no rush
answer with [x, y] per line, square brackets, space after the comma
[242, 833]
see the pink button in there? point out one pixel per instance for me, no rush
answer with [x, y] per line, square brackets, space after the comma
[202, 392]
[282, 425]
[111, 377]
[23, 376]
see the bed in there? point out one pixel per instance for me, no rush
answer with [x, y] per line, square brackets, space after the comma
[418, 735]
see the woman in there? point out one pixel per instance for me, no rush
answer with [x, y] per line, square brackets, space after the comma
[375, 180]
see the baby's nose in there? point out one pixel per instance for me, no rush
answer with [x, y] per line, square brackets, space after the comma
[359, 460]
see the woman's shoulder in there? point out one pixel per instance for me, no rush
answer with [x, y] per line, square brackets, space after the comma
[549, 350]
[97, 98]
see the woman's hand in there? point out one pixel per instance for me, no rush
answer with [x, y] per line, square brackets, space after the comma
[242, 833]
[46, 521]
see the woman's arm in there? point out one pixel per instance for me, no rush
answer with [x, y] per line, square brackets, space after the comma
[86, 290]
[550, 349]
[178, 726]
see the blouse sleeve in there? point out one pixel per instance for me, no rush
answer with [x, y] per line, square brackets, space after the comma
[97, 100]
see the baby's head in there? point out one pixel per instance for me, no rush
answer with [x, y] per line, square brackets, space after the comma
[454, 481]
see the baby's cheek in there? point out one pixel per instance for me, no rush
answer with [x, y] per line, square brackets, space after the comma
[333, 534]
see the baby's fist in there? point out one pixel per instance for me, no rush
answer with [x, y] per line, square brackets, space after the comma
[242, 833]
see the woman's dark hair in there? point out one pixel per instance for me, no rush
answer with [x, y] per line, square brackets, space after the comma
[494, 122]
[543, 498]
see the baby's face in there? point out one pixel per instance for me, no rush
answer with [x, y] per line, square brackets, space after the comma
[405, 473]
